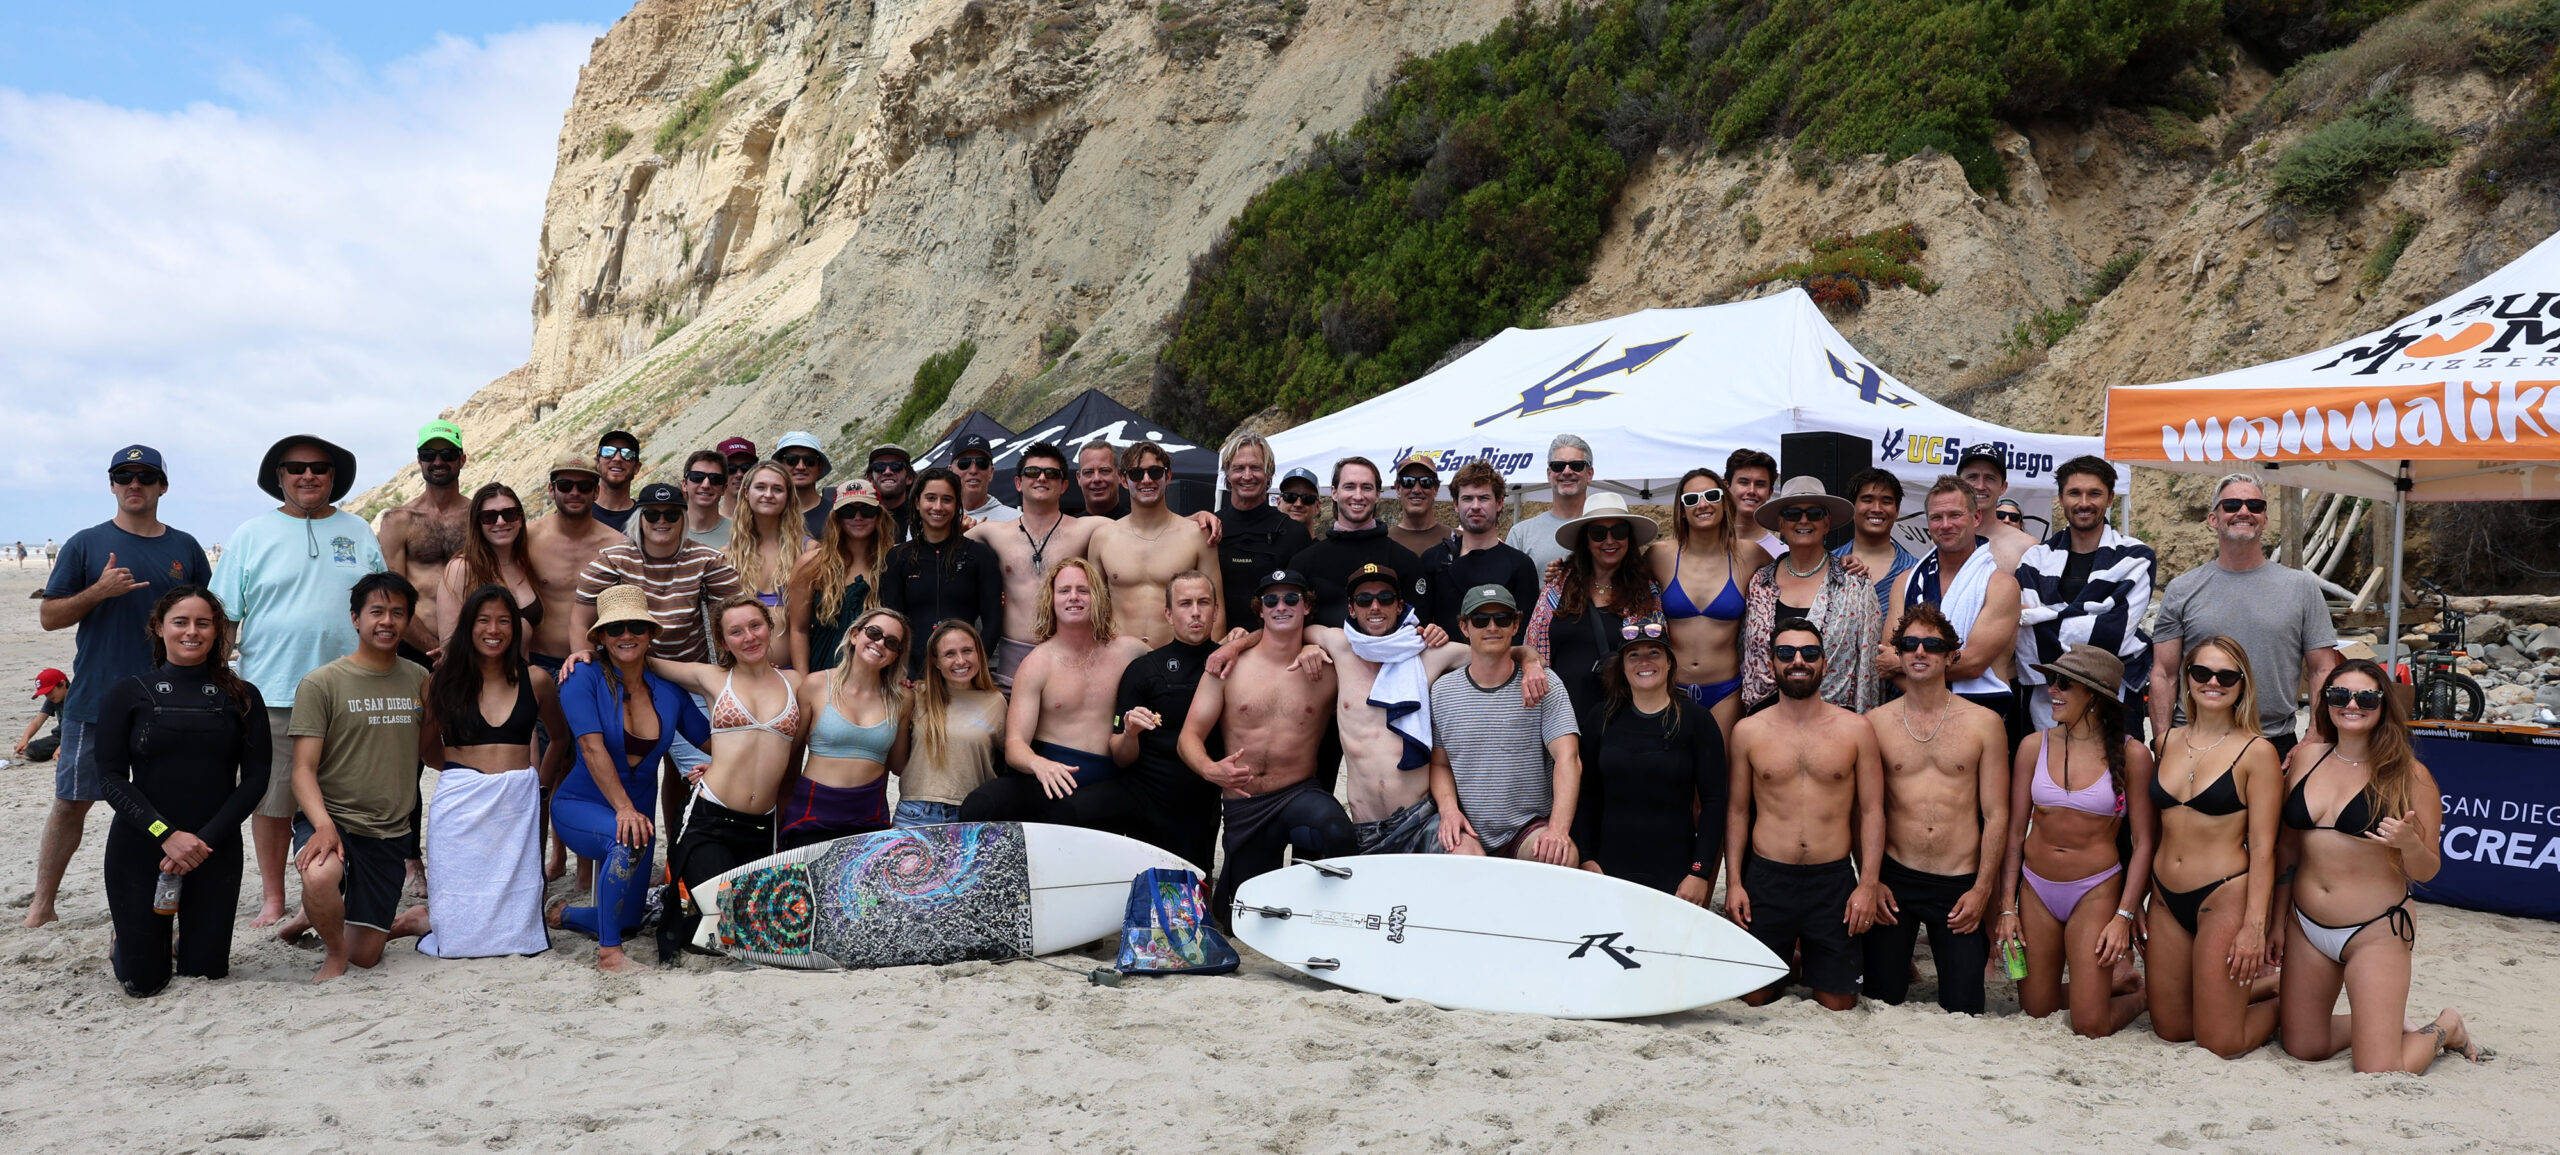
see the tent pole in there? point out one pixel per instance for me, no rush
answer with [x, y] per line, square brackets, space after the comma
[2399, 539]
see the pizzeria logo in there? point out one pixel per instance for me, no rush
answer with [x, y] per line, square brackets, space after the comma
[2516, 331]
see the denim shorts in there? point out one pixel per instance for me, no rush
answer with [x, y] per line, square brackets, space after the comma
[924, 814]
[75, 765]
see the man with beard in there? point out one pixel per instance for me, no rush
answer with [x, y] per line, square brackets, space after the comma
[1417, 493]
[1966, 582]
[418, 537]
[558, 547]
[806, 461]
[2086, 583]
[1140, 554]
[1811, 774]
[617, 462]
[1256, 537]
[893, 473]
[1057, 732]
[1274, 721]
[1479, 556]
[2274, 611]
[1025, 548]
[1357, 539]
[1946, 817]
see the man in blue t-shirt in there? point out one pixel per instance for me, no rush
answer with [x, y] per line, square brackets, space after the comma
[284, 577]
[106, 581]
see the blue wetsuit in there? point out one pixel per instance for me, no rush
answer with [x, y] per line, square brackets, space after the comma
[592, 699]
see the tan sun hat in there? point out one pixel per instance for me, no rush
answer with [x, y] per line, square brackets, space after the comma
[1602, 507]
[1797, 491]
[620, 604]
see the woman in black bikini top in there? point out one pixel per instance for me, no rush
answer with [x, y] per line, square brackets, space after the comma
[2360, 823]
[2217, 793]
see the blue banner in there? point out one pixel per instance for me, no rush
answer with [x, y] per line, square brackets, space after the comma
[2501, 821]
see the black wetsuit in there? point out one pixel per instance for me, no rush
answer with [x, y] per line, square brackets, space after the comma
[1330, 563]
[934, 582]
[1252, 543]
[176, 753]
[1156, 799]
[1576, 647]
[1638, 787]
[1448, 575]
[1302, 818]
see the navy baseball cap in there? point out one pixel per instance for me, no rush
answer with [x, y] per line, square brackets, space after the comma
[132, 455]
[1301, 474]
[977, 441]
[1283, 577]
[658, 493]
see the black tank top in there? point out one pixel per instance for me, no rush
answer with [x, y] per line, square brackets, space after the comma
[517, 730]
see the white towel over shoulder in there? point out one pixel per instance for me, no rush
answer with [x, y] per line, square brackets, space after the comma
[1400, 690]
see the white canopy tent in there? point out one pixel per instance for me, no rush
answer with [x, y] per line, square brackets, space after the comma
[1662, 391]
[2459, 401]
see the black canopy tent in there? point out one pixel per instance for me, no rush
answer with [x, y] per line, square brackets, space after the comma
[1003, 439]
[1092, 414]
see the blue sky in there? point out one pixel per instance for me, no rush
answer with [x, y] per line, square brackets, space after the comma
[223, 223]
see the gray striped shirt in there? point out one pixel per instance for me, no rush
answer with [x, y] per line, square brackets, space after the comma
[1498, 751]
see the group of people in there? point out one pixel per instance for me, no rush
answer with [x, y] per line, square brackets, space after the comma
[1860, 743]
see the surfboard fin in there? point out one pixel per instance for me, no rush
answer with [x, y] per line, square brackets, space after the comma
[1267, 911]
[1324, 964]
[1329, 870]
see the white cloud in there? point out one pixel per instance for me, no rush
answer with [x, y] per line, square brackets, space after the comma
[340, 251]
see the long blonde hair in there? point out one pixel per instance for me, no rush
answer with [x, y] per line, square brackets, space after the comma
[892, 689]
[747, 539]
[2244, 704]
[934, 694]
[835, 571]
[1045, 626]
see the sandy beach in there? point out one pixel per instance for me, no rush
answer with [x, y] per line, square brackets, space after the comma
[544, 1053]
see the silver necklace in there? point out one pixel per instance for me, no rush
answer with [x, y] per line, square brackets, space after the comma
[1933, 733]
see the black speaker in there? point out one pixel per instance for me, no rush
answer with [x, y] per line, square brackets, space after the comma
[1833, 457]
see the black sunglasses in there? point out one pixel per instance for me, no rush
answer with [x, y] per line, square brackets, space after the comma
[873, 631]
[2363, 699]
[1367, 598]
[741, 466]
[1492, 621]
[1936, 645]
[439, 456]
[2236, 504]
[1287, 498]
[566, 485]
[618, 629]
[1702, 497]
[660, 515]
[1609, 531]
[1419, 481]
[298, 468]
[2203, 674]
[1567, 466]
[1802, 513]
[973, 461]
[1811, 653]
[889, 467]
[136, 477]
[1149, 473]
[2011, 518]
[800, 460]
[1288, 599]
[1041, 473]
[705, 477]
[500, 515]
[852, 509]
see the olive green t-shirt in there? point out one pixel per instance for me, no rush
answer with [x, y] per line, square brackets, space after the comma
[368, 727]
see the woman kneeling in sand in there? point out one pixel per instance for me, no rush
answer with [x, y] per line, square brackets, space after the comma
[2360, 823]
[755, 732]
[484, 825]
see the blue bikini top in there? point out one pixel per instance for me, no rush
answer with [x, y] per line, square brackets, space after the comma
[1727, 606]
[835, 736]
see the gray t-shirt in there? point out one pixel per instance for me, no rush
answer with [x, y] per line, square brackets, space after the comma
[2273, 611]
[1498, 751]
[1537, 538]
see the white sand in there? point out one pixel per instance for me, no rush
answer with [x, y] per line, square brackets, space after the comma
[545, 1053]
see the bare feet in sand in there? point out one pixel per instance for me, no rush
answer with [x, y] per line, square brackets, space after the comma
[612, 960]
[269, 913]
[551, 914]
[38, 916]
[329, 969]
[292, 930]
[2458, 1040]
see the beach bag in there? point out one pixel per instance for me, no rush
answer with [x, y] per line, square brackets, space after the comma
[1167, 931]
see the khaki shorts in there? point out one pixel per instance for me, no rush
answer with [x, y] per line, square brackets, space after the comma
[279, 800]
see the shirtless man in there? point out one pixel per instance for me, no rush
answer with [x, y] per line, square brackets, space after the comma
[1983, 471]
[1140, 553]
[1946, 816]
[1027, 546]
[1813, 773]
[1274, 721]
[559, 546]
[1155, 798]
[1977, 591]
[1057, 731]
[420, 536]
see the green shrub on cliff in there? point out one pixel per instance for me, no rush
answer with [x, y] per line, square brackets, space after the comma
[1474, 192]
[2373, 140]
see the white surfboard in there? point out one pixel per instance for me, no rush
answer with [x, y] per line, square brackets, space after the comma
[1497, 934]
[931, 894]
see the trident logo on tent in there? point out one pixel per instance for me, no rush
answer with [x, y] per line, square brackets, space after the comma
[1544, 395]
[1868, 382]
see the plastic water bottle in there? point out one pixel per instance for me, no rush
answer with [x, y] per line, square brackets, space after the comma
[164, 897]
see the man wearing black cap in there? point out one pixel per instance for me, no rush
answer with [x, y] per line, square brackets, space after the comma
[1358, 539]
[973, 461]
[893, 473]
[284, 577]
[420, 535]
[105, 582]
[1986, 472]
[1274, 721]
[617, 462]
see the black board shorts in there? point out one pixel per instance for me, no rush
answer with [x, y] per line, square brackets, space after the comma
[376, 869]
[1806, 904]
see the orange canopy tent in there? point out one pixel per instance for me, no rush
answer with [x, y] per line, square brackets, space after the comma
[2459, 401]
